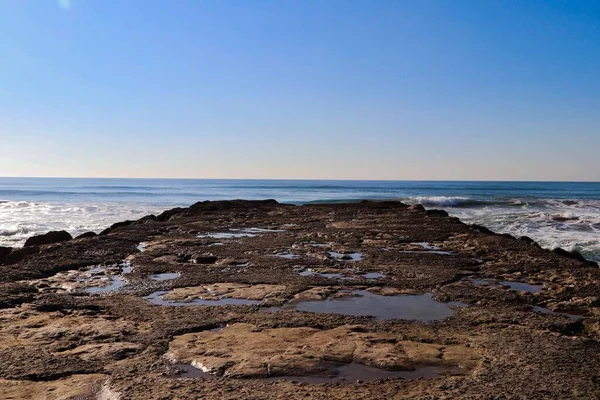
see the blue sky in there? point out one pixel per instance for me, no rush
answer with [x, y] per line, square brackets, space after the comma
[333, 89]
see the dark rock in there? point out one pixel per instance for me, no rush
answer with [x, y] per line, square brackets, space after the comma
[48, 238]
[115, 226]
[416, 207]
[86, 235]
[482, 229]
[526, 239]
[572, 254]
[18, 255]
[436, 213]
[4, 252]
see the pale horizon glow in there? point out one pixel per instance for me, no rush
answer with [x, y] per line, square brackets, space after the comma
[388, 90]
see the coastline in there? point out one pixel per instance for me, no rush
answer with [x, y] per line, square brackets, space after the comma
[483, 299]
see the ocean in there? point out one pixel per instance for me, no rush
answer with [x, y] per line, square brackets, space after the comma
[556, 214]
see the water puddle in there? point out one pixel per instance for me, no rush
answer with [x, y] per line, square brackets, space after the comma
[428, 248]
[155, 298]
[543, 310]
[226, 235]
[345, 257]
[259, 230]
[422, 308]
[354, 373]
[522, 287]
[187, 371]
[288, 255]
[141, 247]
[374, 275]
[518, 286]
[165, 276]
[310, 272]
[115, 281]
[318, 244]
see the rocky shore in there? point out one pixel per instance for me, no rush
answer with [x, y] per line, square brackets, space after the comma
[260, 300]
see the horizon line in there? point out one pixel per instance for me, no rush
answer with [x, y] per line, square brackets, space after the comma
[300, 179]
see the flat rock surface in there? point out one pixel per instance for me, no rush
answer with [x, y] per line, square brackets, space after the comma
[77, 320]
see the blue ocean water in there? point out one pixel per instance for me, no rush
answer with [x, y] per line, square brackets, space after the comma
[565, 214]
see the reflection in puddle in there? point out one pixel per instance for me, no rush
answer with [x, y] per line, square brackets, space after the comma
[238, 233]
[289, 256]
[310, 272]
[226, 235]
[363, 303]
[188, 371]
[522, 287]
[374, 275]
[354, 372]
[166, 276]
[519, 286]
[428, 248]
[543, 310]
[259, 230]
[345, 257]
[155, 298]
[116, 281]
[341, 373]
[141, 247]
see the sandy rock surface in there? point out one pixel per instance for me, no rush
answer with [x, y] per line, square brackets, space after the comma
[81, 319]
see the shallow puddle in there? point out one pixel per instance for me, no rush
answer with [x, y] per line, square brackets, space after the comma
[310, 272]
[345, 257]
[226, 235]
[188, 371]
[289, 256]
[259, 230]
[363, 303]
[373, 275]
[355, 373]
[543, 310]
[165, 276]
[155, 298]
[116, 281]
[341, 373]
[522, 287]
[141, 247]
[519, 286]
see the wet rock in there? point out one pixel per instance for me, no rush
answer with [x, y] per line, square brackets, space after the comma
[436, 213]
[48, 238]
[118, 225]
[4, 252]
[416, 207]
[572, 254]
[86, 235]
[18, 255]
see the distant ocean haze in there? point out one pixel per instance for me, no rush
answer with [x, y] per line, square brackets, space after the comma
[556, 214]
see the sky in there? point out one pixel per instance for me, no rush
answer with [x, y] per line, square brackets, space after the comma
[311, 89]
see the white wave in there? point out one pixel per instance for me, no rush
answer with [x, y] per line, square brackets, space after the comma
[21, 219]
[440, 200]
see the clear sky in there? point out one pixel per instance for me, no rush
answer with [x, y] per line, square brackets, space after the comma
[330, 89]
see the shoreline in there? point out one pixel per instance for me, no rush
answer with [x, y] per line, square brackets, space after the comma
[363, 300]
[570, 254]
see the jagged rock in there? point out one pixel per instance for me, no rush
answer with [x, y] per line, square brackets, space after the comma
[86, 235]
[48, 238]
[436, 213]
[4, 251]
